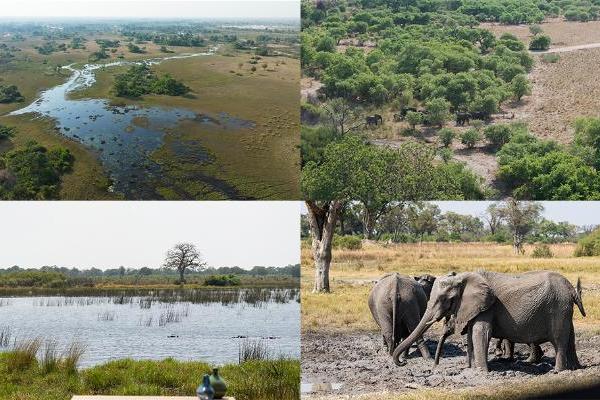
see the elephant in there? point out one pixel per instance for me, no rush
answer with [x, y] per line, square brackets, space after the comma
[481, 115]
[462, 117]
[397, 303]
[374, 119]
[533, 307]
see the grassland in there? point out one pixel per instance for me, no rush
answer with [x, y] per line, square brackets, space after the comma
[23, 378]
[353, 271]
[339, 326]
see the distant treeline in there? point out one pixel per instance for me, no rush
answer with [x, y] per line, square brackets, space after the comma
[289, 270]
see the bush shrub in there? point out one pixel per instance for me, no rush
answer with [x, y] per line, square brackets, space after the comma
[446, 136]
[497, 135]
[470, 137]
[348, 242]
[222, 280]
[542, 251]
[540, 43]
[589, 245]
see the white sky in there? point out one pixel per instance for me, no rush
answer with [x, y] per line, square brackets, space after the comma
[151, 9]
[576, 212]
[137, 234]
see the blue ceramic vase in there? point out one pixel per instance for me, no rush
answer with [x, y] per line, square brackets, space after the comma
[205, 390]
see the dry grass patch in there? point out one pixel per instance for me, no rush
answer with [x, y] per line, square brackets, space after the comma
[563, 33]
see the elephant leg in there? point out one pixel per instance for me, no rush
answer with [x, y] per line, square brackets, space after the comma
[535, 353]
[508, 349]
[469, 349]
[498, 351]
[564, 345]
[423, 349]
[480, 332]
[411, 321]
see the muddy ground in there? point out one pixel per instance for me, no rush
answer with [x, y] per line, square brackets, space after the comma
[361, 364]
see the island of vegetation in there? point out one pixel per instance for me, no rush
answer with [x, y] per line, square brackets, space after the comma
[140, 80]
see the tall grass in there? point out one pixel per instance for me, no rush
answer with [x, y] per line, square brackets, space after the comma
[49, 360]
[5, 335]
[23, 355]
[252, 349]
[71, 356]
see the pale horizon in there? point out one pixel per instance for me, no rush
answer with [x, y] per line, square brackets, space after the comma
[162, 9]
[108, 235]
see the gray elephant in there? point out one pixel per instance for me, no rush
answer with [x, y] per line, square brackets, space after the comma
[397, 303]
[526, 308]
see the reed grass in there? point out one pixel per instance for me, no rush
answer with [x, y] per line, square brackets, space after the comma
[23, 355]
[50, 359]
[252, 349]
[5, 336]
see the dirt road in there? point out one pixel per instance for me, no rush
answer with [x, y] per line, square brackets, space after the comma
[360, 364]
[568, 48]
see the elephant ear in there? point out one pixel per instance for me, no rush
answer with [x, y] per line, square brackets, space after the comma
[476, 298]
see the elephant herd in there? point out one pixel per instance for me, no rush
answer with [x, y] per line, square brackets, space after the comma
[531, 308]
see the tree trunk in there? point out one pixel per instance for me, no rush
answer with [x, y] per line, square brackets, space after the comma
[181, 280]
[322, 221]
[368, 222]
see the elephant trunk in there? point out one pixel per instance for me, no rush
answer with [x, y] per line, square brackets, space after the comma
[438, 350]
[424, 324]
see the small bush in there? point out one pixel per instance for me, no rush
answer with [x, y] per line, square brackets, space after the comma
[542, 251]
[348, 242]
[446, 154]
[222, 280]
[497, 135]
[470, 138]
[540, 43]
[589, 245]
[446, 136]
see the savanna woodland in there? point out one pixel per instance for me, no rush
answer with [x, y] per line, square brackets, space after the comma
[428, 99]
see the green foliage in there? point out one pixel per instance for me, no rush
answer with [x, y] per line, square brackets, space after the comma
[520, 86]
[222, 280]
[135, 48]
[446, 154]
[140, 80]
[347, 242]
[542, 251]
[446, 136]
[313, 141]
[541, 42]
[541, 169]
[51, 47]
[6, 132]
[253, 380]
[10, 94]
[470, 138]
[35, 172]
[589, 245]
[497, 135]
[535, 29]
[354, 169]
[438, 111]
[37, 279]
[414, 118]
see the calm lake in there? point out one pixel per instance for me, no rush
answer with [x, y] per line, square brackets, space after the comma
[199, 325]
[124, 137]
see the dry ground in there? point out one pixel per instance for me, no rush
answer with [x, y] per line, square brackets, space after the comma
[341, 343]
[563, 33]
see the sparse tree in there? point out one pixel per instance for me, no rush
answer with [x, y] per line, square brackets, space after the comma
[414, 118]
[520, 217]
[520, 86]
[535, 29]
[438, 111]
[184, 257]
[342, 115]
[493, 218]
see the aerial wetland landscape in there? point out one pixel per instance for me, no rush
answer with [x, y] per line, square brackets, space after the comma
[135, 109]
[491, 99]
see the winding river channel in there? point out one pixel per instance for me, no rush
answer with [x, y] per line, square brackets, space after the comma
[124, 137]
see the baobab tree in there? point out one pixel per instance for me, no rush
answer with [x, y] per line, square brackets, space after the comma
[184, 257]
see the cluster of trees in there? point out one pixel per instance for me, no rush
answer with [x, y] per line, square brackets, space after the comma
[520, 221]
[135, 48]
[10, 94]
[140, 80]
[6, 53]
[51, 47]
[32, 172]
[60, 277]
[465, 66]
[539, 169]
[423, 221]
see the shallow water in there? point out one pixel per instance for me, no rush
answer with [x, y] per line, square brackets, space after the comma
[210, 332]
[124, 136]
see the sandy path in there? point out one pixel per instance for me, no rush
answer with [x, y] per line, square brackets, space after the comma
[568, 48]
[360, 364]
